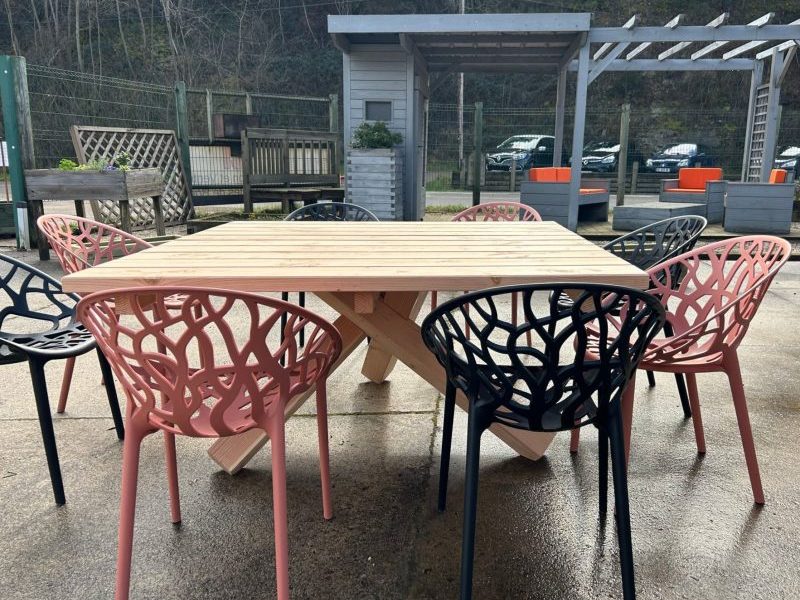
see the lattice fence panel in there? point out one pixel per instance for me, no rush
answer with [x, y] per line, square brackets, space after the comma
[147, 148]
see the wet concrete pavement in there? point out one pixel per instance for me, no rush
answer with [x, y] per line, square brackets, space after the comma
[696, 532]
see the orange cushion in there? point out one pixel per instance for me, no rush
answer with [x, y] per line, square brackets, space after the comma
[777, 176]
[592, 190]
[543, 174]
[563, 174]
[687, 190]
[696, 177]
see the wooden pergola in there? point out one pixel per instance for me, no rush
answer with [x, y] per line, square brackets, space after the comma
[556, 42]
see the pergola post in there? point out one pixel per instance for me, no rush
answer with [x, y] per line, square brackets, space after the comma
[561, 100]
[756, 75]
[577, 136]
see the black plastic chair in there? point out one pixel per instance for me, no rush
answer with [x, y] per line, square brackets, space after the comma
[326, 211]
[549, 385]
[653, 244]
[37, 325]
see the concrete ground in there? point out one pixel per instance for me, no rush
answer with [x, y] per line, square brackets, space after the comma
[696, 532]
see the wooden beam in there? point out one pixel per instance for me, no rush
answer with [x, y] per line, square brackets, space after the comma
[750, 45]
[678, 64]
[787, 61]
[732, 33]
[629, 24]
[603, 63]
[672, 24]
[407, 43]
[780, 48]
[572, 50]
[759, 22]
[714, 23]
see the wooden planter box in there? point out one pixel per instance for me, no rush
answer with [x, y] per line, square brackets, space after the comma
[116, 186]
[759, 208]
[375, 181]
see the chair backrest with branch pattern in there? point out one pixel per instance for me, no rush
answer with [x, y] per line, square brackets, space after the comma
[213, 365]
[498, 211]
[548, 384]
[80, 243]
[332, 211]
[659, 241]
[717, 298]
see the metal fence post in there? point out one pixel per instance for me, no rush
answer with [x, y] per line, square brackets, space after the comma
[477, 157]
[622, 167]
[19, 140]
[209, 112]
[182, 128]
[634, 176]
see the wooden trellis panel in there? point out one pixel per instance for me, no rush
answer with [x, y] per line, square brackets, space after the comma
[147, 148]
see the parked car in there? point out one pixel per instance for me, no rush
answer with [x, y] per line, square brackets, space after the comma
[603, 157]
[788, 158]
[671, 158]
[529, 151]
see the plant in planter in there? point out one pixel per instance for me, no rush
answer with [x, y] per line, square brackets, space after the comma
[375, 170]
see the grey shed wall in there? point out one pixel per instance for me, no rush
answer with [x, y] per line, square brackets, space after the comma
[384, 72]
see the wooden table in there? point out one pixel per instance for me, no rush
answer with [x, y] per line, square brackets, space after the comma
[376, 276]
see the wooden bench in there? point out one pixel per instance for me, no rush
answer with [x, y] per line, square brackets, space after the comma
[547, 190]
[697, 185]
[760, 207]
[286, 165]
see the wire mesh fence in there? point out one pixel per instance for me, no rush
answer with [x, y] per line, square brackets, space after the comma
[720, 133]
[61, 98]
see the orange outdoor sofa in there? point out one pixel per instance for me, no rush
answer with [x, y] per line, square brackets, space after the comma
[547, 190]
[697, 185]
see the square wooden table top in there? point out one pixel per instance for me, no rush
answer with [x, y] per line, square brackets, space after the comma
[365, 257]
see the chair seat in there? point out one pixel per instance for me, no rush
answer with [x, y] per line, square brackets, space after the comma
[68, 341]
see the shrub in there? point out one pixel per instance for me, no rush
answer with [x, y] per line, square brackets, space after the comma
[375, 135]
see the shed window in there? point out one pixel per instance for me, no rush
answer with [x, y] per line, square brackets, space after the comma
[378, 111]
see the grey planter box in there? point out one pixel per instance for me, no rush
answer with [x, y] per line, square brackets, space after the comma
[375, 181]
[759, 207]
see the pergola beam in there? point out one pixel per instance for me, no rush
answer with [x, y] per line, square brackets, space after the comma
[445, 52]
[603, 63]
[576, 44]
[730, 33]
[407, 43]
[677, 64]
[542, 40]
[759, 22]
[672, 24]
[629, 24]
[750, 45]
[787, 61]
[780, 48]
[714, 23]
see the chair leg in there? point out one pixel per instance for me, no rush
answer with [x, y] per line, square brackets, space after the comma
[651, 379]
[111, 393]
[602, 454]
[574, 439]
[514, 303]
[46, 425]
[734, 373]
[278, 444]
[475, 429]
[127, 512]
[434, 299]
[447, 439]
[302, 301]
[66, 381]
[324, 454]
[172, 477]
[684, 396]
[621, 502]
[697, 417]
[627, 415]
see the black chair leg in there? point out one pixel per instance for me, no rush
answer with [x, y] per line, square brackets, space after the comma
[651, 379]
[681, 382]
[302, 298]
[618, 469]
[46, 425]
[602, 454]
[447, 439]
[111, 392]
[475, 429]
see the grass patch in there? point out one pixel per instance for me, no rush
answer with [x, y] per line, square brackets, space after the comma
[263, 214]
[445, 209]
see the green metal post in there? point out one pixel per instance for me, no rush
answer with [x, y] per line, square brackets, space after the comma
[19, 139]
[477, 164]
[182, 129]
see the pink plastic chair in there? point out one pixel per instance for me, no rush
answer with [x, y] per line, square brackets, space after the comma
[80, 243]
[189, 371]
[707, 317]
[506, 210]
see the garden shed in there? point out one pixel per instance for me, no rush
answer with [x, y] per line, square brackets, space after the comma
[388, 58]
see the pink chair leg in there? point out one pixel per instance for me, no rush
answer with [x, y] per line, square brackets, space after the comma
[697, 418]
[734, 373]
[127, 510]
[172, 477]
[278, 444]
[66, 381]
[574, 440]
[627, 415]
[324, 456]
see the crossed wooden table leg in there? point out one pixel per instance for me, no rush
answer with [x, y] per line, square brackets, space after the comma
[389, 320]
